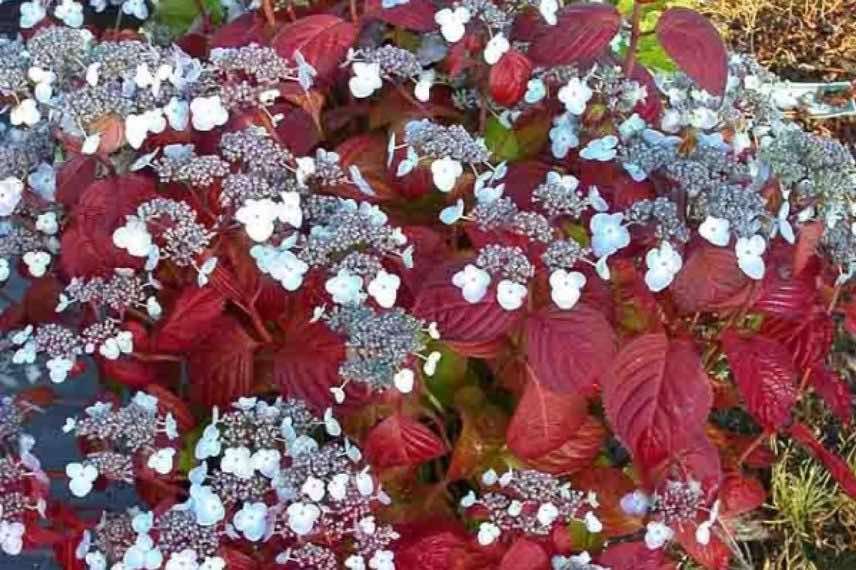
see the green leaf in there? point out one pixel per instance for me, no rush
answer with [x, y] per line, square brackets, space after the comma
[582, 539]
[525, 140]
[179, 15]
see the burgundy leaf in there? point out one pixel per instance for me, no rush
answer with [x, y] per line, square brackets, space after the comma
[808, 339]
[834, 391]
[632, 556]
[322, 39]
[525, 554]
[221, 369]
[710, 280]
[695, 45]
[416, 15]
[837, 466]
[458, 320]
[74, 176]
[569, 350]
[740, 494]
[544, 420]
[401, 441]
[582, 32]
[189, 319]
[715, 555]
[508, 78]
[656, 394]
[579, 452]
[765, 375]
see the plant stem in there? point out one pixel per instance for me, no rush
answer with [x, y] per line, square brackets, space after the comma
[752, 447]
[635, 21]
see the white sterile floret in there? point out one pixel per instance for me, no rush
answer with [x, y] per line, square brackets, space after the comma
[608, 234]
[547, 514]
[384, 288]
[70, 12]
[657, 535]
[258, 218]
[25, 113]
[592, 523]
[782, 225]
[366, 79]
[11, 189]
[382, 560]
[161, 461]
[134, 237]
[345, 288]
[403, 380]
[5, 269]
[313, 488]
[715, 230]
[184, 560]
[58, 368]
[12, 537]
[37, 262]
[302, 517]
[43, 79]
[635, 504]
[422, 90]
[32, 13]
[566, 287]
[80, 478]
[535, 90]
[702, 534]
[575, 94]
[488, 533]
[451, 214]
[142, 555]
[548, 9]
[47, 224]
[602, 149]
[496, 48]
[473, 282]
[663, 264]
[206, 505]
[136, 8]
[238, 462]
[331, 424]
[207, 113]
[563, 135]
[445, 172]
[749, 256]
[177, 112]
[453, 23]
[510, 295]
[251, 521]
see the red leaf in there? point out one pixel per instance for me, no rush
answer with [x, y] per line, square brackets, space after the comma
[808, 340]
[221, 369]
[834, 391]
[306, 365]
[569, 350]
[169, 402]
[714, 555]
[401, 441]
[710, 280]
[508, 78]
[633, 556]
[656, 396]
[695, 45]
[765, 375]
[806, 247]
[577, 453]
[582, 32]
[525, 554]
[787, 298]
[435, 551]
[544, 420]
[189, 319]
[416, 15]
[74, 176]
[246, 29]
[740, 494]
[837, 467]
[458, 320]
[128, 371]
[321, 38]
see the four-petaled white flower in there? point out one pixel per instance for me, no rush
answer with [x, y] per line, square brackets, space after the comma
[749, 256]
[575, 94]
[535, 89]
[445, 172]
[43, 79]
[715, 230]
[563, 135]
[403, 380]
[473, 282]
[11, 537]
[37, 262]
[451, 214]
[592, 523]
[602, 149]
[565, 288]
[422, 91]
[382, 560]
[313, 488]
[237, 461]
[782, 225]
[207, 113]
[657, 535]
[302, 517]
[496, 48]
[663, 264]
[488, 533]
[70, 12]
[510, 295]
[80, 478]
[32, 13]
[184, 560]
[453, 23]
[266, 462]
[137, 127]
[702, 534]
[142, 555]
[206, 505]
[430, 365]
[58, 368]
[366, 79]
[251, 520]
[134, 237]
[547, 514]
[47, 224]
[635, 504]
[548, 9]
[25, 113]
[384, 288]
[177, 112]
[345, 287]
[608, 234]
[11, 189]
[161, 460]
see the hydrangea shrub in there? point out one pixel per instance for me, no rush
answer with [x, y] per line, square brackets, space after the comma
[409, 284]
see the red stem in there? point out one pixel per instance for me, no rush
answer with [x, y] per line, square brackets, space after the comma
[635, 20]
